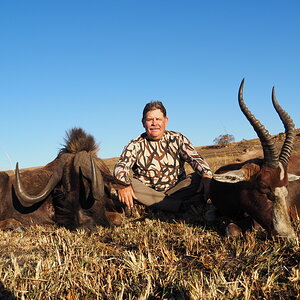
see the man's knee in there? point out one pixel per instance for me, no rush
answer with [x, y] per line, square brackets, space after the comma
[187, 186]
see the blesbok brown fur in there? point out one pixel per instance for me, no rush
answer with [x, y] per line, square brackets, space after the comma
[263, 190]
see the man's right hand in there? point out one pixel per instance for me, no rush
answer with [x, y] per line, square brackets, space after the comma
[126, 196]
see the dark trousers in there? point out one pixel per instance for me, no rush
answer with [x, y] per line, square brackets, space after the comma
[172, 199]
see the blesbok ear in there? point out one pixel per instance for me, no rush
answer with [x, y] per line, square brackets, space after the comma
[233, 176]
[293, 177]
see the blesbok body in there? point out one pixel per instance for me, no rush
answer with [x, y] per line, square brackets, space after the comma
[71, 191]
[265, 190]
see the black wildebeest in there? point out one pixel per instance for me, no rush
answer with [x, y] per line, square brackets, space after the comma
[261, 190]
[72, 190]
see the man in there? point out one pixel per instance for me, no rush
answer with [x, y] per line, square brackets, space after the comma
[156, 158]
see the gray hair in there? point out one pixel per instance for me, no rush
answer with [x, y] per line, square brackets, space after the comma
[152, 106]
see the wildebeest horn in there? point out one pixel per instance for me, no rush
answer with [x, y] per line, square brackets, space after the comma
[28, 200]
[97, 181]
[289, 126]
[268, 144]
[85, 164]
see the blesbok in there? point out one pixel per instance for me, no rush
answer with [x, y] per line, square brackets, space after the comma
[72, 190]
[264, 190]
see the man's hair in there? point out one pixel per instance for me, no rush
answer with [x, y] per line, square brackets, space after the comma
[152, 106]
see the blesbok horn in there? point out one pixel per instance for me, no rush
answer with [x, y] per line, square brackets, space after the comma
[289, 126]
[270, 151]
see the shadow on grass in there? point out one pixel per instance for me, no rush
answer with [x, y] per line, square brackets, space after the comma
[192, 215]
[6, 294]
[169, 292]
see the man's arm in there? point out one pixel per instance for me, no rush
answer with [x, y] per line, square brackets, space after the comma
[122, 172]
[194, 159]
[199, 165]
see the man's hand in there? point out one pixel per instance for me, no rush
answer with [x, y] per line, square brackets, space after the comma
[126, 196]
[204, 186]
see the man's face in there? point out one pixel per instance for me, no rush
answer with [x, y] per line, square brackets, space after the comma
[155, 124]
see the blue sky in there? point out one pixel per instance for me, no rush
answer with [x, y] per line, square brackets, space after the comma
[95, 64]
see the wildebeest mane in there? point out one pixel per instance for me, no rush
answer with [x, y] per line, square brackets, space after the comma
[78, 140]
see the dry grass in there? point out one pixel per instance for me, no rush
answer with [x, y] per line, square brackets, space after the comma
[148, 259]
[151, 256]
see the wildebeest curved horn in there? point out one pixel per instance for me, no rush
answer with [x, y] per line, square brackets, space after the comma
[28, 200]
[268, 144]
[289, 126]
[97, 181]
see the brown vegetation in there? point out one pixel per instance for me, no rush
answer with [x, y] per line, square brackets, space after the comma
[151, 256]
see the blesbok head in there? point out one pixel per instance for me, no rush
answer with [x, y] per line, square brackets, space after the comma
[259, 187]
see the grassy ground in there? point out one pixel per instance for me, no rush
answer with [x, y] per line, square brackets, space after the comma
[152, 257]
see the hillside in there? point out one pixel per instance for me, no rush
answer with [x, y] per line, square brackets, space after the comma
[219, 155]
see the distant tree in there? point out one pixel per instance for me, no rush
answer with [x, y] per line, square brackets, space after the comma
[224, 139]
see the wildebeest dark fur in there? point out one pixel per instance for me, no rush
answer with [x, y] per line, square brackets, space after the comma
[79, 193]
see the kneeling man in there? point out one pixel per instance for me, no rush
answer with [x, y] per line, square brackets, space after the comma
[156, 160]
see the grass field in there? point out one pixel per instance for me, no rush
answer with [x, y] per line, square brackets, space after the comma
[151, 256]
[146, 259]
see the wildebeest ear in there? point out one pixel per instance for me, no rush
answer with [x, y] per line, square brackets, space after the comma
[85, 162]
[233, 176]
[82, 162]
[293, 177]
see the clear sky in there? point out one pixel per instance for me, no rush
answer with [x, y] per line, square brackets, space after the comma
[95, 64]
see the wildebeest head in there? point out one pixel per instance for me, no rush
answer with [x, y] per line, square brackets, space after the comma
[80, 185]
[260, 185]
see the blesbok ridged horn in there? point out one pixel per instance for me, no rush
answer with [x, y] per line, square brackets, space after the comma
[271, 157]
[289, 126]
[29, 200]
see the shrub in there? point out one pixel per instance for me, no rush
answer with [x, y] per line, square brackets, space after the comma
[224, 139]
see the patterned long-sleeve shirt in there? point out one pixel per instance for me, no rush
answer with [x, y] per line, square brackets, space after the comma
[159, 164]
